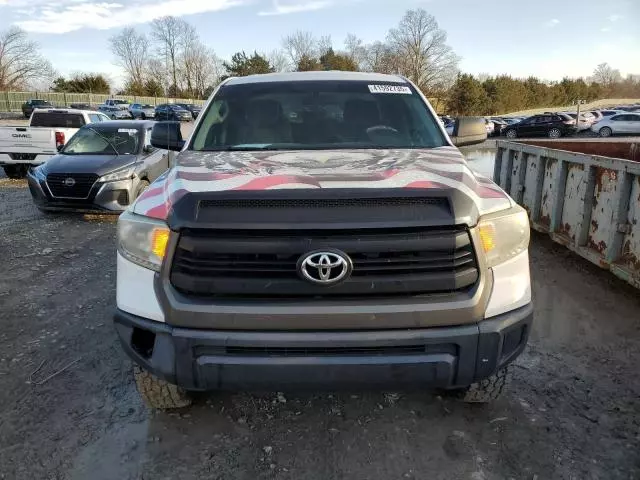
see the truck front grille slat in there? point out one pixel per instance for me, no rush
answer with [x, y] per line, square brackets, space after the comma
[81, 187]
[229, 264]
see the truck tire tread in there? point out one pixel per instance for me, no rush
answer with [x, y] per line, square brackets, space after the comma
[490, 388]
[157, 393]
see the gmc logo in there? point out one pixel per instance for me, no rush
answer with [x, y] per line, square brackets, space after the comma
[21, 135]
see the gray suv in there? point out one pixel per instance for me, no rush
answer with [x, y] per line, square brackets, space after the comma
[321, 230]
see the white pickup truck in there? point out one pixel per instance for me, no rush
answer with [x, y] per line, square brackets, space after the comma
[116, 102]
[48, 130]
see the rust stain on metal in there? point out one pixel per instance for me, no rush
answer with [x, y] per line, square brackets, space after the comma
[594, 224]
[599, 247]
[545, 220]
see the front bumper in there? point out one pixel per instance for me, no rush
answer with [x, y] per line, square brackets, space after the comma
[443, 357]
[107, 197]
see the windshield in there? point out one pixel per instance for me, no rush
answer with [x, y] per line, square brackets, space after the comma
[317, 115]
[120, 102]
[104, 140]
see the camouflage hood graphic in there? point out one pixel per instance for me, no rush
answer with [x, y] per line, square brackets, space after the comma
[442, 167]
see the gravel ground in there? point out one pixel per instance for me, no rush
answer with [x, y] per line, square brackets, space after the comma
[69, 409]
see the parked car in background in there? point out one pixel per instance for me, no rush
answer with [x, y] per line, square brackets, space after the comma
[23, 147]
[80, 106]
[554, 125]
[629, 108]
[499, 126]
[115, 113]
[116, 102]
[191, 107]
[583, 123]
[489, 126]
[597, 115]
[620, 124]
[170, 111]
[610, 113]
[30, 105]
[142, 111]
[105, 166]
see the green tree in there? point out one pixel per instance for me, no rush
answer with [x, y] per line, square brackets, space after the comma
[308, 64]
[83, 83]
[335, 61]
[242, 65]
[467, 96]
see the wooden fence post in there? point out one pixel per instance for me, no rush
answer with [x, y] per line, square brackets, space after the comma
[8, 101]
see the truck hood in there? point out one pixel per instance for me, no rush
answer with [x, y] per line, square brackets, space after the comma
[98, 164]
[437, 168]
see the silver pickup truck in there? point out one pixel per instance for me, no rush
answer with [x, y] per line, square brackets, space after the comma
[321, 230]
[24, 146]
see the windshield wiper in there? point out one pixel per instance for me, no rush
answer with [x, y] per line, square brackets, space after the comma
[106, 140]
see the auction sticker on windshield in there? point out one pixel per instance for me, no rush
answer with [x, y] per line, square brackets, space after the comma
[390, 89]
[130, 131]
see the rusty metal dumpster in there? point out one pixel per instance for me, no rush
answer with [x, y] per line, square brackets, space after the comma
[589, 203]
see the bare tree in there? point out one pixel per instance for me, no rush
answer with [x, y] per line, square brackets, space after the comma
[168, 33]
[20, 61]
[422, 47]
[324, 45]
[192, 54]
[381, 58]
[132, 54]
[299, 44]
[278, 60]
[606, 76]
[356, 50]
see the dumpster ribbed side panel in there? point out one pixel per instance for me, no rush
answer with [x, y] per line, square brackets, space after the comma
[590, 204]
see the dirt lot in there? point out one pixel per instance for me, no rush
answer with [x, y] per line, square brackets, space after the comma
[69, 409]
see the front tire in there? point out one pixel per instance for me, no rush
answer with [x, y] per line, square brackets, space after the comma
[143, 116]
[555, 133]
[157, 393]
[605, 132]
[488, 389]
[511, 133]
[15, 172]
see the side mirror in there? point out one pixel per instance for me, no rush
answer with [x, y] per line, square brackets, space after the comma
[167, 136]
[148, 149]
[469, 131]
[59, 147]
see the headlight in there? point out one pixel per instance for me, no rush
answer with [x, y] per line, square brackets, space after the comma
[504, 235]
[122, 174]
[39, 172]
[142, 240]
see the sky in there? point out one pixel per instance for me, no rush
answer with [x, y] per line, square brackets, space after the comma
[546, 38]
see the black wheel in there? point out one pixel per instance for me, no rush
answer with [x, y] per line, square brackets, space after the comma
[157, 393]
[16, 171]
[554, 133]
[605, 132]
[142, 186]
[511, 133]
[26, 115]
[143, 116]
[488, 389]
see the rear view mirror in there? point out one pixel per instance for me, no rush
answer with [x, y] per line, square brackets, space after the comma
[167, 136]
[469, 131]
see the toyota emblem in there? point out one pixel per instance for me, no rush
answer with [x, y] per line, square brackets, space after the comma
[325, 267]
[69, 182]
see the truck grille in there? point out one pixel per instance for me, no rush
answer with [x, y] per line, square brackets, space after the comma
[264, 264]
[60, 186]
